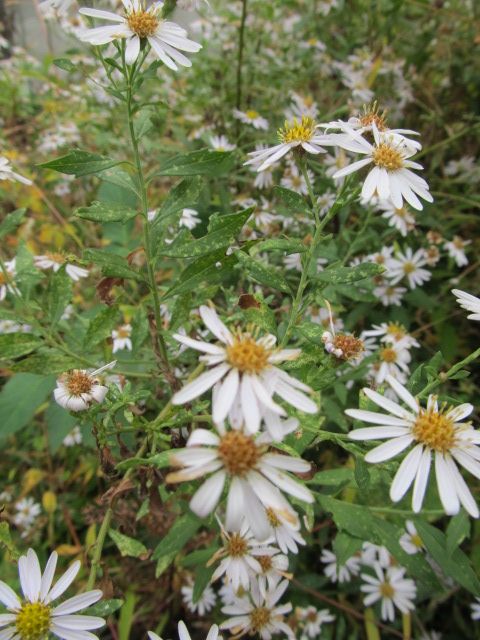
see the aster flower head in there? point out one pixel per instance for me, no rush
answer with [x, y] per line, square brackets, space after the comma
[311, 621]
[295, 134]
[184, 635]
[251, 117]
[409, 265]
[34, 616]
[410, 541]
[54, 260]
[137, 24]
[285, 530]
[259, 614]
[246, 366]
[392, 589]
[202, 605]
[255, 476]
[435, 430]
[122, 338]
[7, 279]
[78, 389]
[392, 177]
[339, 572]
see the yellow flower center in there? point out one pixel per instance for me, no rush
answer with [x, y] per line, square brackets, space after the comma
[143, 23]
[435, 430]
[295, 131]
[236, 546]
[265, 562]
[387, 157]
[33, 621]
[395, 330]
[387, 590]
[238, 452]
[247, 355]
[458, 243]
[123, 332]
[388, 355]
[408, 267]
[352, 347]
[78, 382]
[55, 257]
[416, 540]
[259, 618]
[252, 114]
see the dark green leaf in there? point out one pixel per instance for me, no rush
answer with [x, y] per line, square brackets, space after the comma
[347, 275]
[11, 222]
[101, 326]
[212, 268]
[180, 533]
[80, 163]
[294, 202]
[203, 162]
[105, 607]
[112, 264]
[59, 294]
[279, 244]
[65, 64]
[264, 274]
[20, 398]
[13, 345]
[128, 546]
[59, 424]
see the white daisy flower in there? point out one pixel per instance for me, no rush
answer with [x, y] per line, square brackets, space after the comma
[410, 541]
[285, 530]
[55, 260]
[336, 572]
[392, 332]
[301, 106]
[434, 429]
[456, 250]
[393, 360]
[204, 604]
[259, 614]
[293, 262]
[325, 202]
[388, 294]
[7, 173]
[137, 24]
[392, 588]
[34, 617]
[409, 265]
[189, 218]
[221, 143]
[255, 476]
[295, 134]
[252, 118]
[475, 607]
[240, 557]
[7, 281]
[294, 180]
[312, 620]
[466, 301]
[78, 389]
[401, 218]
[391, 178]
[27, 511]
[184, 635]
[121, 338]
[246, 366]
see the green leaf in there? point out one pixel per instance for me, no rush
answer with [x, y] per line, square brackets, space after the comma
[458, 529]
[180, 533]
[101, 326]
[6, 541]
[59, 294]
[348, 275]
[51, 360]
[120, 178]
[223, 231]
[159, 461]
[456, 565]
[294, 202]
[65, 64]
[11, 222]
[112, 264]
[203, 162]
[20, 398]
[203, 576]
[143, 123]
[212, 268]
[279, 244]
[182, 195]
[345, 546]
[59, 424]
[128, 546]
[263, 274]
[80, 163]
[332, 477]
[13, 345]
[362, 475]
[312, 332]
[105, 212]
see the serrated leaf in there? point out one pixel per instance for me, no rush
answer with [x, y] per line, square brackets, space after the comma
[203, 162]
[128, 547]
[13, 345]
[212, 268]
[11, 222]
[266, 275]
[105, 212]
[294, 202]
[79, 163]
[223, 230]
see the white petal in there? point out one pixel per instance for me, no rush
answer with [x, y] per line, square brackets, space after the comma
[406, 473]
[403, 393]
[79, 622]
[421, 480]
[132, 49]
[48, 575]
[225, 396]
[389, 449]
[215, 325]
[64, 582]
[377, 433]
[77, 603]
[250, 409]
[8, 597]
[446, 486]
[200, 385]
[207, 496]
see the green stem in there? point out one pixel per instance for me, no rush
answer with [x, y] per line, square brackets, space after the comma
[443, 377]
[162, 348]
[241, 46]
